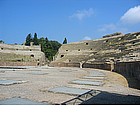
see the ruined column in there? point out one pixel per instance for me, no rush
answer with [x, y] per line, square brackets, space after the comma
[81, 64]
[112, 64]
[31, 43]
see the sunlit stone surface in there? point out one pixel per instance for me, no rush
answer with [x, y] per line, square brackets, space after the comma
[10, 82]
[69, 90]
[19, 101]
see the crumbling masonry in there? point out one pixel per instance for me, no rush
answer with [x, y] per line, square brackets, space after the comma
[21, 55]
[114, 52]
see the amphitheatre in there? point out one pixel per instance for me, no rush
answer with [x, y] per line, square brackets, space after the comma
[101, 71]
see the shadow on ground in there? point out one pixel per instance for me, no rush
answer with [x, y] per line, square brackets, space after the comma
[106, 98]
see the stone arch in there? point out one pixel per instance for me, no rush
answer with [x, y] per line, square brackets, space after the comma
[62, 56]
[32, 56]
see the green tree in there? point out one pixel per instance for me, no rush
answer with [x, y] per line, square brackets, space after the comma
[50, 48]
[28, 40]
[43, 44]
[35, 39]
[46, 40]
[48, 43]
[55, 45]
[1, 41]
[65, 41]
[51, 51]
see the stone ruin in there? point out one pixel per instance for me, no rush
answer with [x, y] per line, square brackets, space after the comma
[21, 55]
[115, 52]
[115, 47]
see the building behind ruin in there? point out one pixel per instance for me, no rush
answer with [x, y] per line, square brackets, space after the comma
[21, 55]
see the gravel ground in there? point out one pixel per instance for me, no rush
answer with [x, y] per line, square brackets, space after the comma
[40, 79]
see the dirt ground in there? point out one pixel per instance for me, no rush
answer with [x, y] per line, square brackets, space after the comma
[38, 80]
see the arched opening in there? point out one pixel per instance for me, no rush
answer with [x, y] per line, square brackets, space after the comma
[38, 62]
[32, 56]
[62, 56]
[19, 60]
[119, 39]
[133, 42]
[106, 41]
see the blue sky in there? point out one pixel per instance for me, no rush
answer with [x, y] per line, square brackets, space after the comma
[74, 19]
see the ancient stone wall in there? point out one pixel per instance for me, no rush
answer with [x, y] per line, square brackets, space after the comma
[118, 48]
[21, 55]
[18, 64]
[19, 47]
[62, 64]
[131, 71]
[115, 52]
[97, 66]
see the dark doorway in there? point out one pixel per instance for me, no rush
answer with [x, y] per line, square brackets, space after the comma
[62, 56]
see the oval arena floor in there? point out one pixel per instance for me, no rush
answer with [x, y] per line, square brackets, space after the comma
[69, 86]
